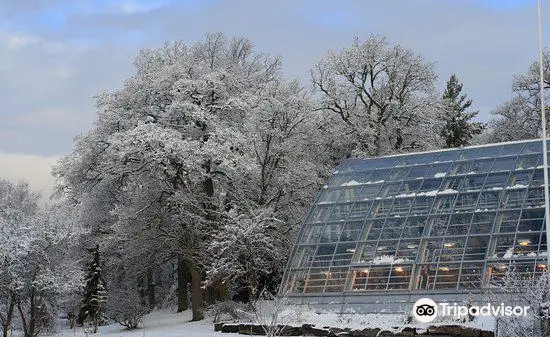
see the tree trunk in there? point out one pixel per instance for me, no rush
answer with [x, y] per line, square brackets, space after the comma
[183, 280]
[151, 289]
[196, 293]
[9, 316]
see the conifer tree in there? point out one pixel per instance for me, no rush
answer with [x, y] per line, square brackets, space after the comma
[459, 129]
[95, 295]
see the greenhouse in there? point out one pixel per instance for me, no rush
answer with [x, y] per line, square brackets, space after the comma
[443, 224]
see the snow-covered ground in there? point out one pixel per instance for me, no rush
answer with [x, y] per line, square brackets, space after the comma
[165, 323]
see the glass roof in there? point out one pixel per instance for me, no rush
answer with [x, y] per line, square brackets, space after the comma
[443, 220]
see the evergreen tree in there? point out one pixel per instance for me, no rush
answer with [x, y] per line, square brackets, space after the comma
[458, 130]
[95, 295]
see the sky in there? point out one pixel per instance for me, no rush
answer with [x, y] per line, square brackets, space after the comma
[55, 55]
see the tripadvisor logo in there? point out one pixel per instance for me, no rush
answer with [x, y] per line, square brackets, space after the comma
[426, 310]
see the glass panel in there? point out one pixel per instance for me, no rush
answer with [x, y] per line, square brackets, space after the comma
[329, 195]
[483, 222]
[508, 221]
[476, 247]
[444, 204]
[528, 162]
[489, 200]
[399, 173]
[359, 279]
[487, 152]
[315, 281]
[349, 194]
[378, 278]
[473, 183]
[323, 255]
[320, 214]
[459, 224]
[471, 275]
[360, 210]
[438, 170]
[312, 233]
[534, 147]
[389, 190]
[504, 164]
[439, 225]
[461, 167]
[426, 276]
[381, 208]
[400, 276]
[417, 172]
[331, 232]
[446, 156]
[511, 149]
[447, 276]
[379, 176]
[482, 166]
[496, 181]
[352, 230]
[429, 185]
[388, 162]
[466, 202]
[344, 253]
[538, 178]
[409, 187]
[534, 198]
[340, 180]
[414, 227]
[407, 250]
[367, 251]
[432, 251]
[422, 205]
[514, 198]
[401, 206]
[369, 192]
[298, 281]
[503, 246]
[304, 256]
[531, 220]
[375, 229]
[336, 279]
[392, 228]
[340, 212]
[452, 249]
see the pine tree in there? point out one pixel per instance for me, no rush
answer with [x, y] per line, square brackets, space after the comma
[95, 295]
[458, 130]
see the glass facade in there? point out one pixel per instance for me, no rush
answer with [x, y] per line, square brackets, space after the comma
[452, 220]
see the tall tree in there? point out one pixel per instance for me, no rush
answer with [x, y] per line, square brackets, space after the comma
[95, 294]
[384, 94]
[174, 149]
[459, 129]
[520, 117]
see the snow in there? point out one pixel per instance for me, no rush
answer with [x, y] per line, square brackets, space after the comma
[448, 191]
[509, 253]
[440, 175]
[156, 324]
[517, 186]
[350, 183]
[428, 194]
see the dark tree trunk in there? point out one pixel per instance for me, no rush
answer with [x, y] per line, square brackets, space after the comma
[183, 280]
[9, 316]
[151, 289]
[196, 293]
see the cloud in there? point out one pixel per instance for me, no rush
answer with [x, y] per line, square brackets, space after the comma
[36, 170]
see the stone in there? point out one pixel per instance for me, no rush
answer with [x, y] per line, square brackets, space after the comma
[310, 330]
[230, 328]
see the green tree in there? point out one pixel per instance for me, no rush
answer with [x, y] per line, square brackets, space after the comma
[95, 295]
[459, 129]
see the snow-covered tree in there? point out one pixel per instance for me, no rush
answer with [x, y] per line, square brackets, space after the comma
[95, 294]
[33, 247]
[383, 93]
[172, 149]
[520, 117]
[459, 130]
